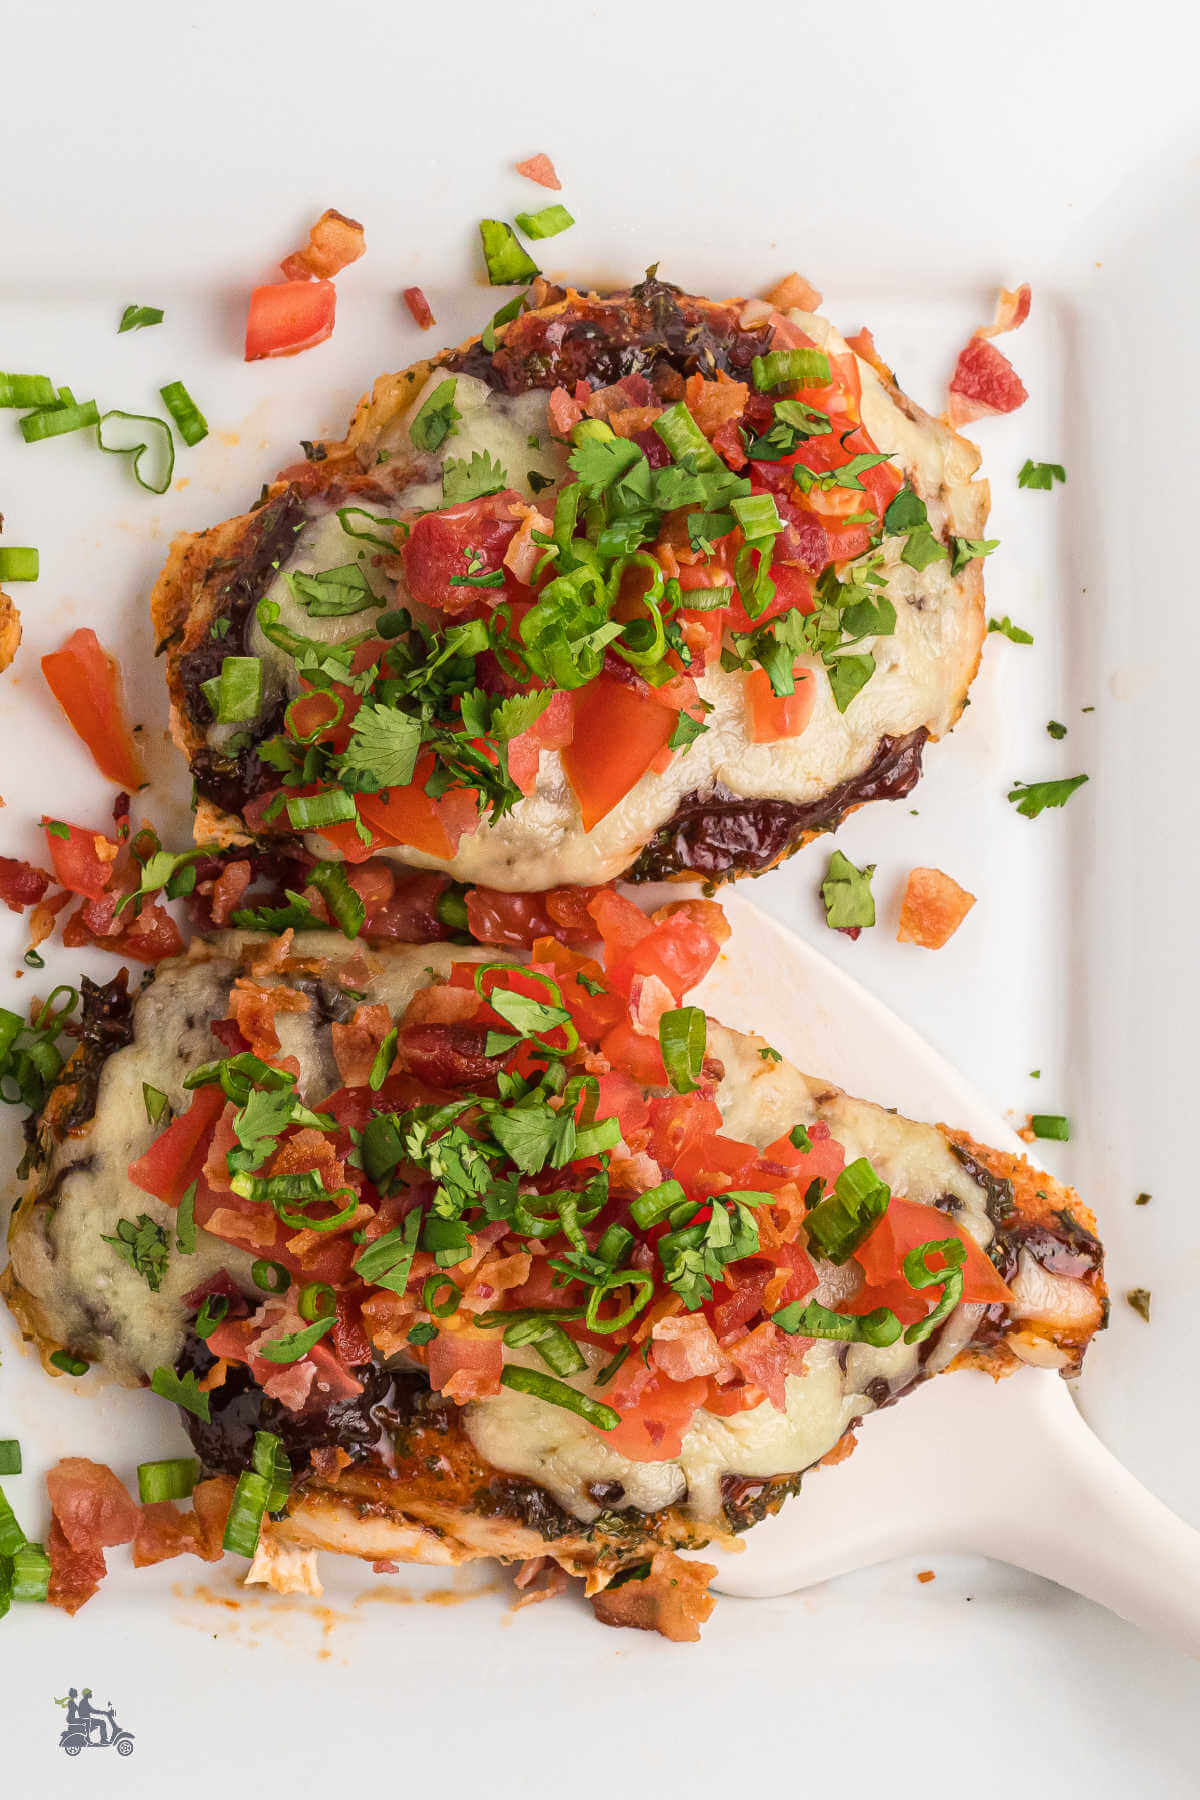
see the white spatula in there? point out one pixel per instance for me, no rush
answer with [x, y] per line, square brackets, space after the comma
[1007, 1469]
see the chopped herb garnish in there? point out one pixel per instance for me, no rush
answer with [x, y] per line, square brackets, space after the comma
[1014, 633]
[682, 1038]
[966, 550]
[1139, 1299]
[1040, 475]
[846, 893]
[143, 1246]
[1051, 1125]
[463, 480]
[544, 224]
[1032, 798]
[185, 1392]
[134, 318]
[1142, 1200]
[507, 263]
[1056, 729]
[437, 417]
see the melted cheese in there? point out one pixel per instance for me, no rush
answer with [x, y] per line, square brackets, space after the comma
[921, 670]
[100, 1306]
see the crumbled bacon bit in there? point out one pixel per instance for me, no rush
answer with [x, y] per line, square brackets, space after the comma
[673, 1599]
[564, 411]
[984, 381]
[22, 884]
[926, 1575]
[10, 630]
[793, 290]
[539, 1578]
[357, 1043]
[539, 168]
[164, 1531]
[933, 908]
[228, 889]
[92, 1512]
[419, 307]
[1012, 309]
[333, 242]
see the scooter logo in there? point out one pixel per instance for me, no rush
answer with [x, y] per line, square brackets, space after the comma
[91, 1727]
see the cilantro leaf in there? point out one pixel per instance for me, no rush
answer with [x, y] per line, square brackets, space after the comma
[143, 1246]
[437, 418]
[967, 549]
[846, 893]
[463, 480]
[923, 548]
[686, 731]
[1040, 475]
[1014, 633]
[186, 1392]
[295, 916]
[507, 263]
[516, 713]
[905, 513]
[259, 1124]
[848, 675]
[599, 461]
[384, 744]
[334, 593]
[1056, 730]
[1033, 797]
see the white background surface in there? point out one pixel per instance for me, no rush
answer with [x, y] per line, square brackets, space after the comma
[908, 160]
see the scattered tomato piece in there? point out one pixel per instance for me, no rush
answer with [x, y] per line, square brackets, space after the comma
[419, 307]
[86, 682]
[539, 168]
[289, 316]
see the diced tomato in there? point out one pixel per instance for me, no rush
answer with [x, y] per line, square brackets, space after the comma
[774, 716]
[904, 1226]
[678, 950]
[635, 1054]
[86, 682]
[710, 1165]
[419, 307]
[678, 1121]
[176, 1157]
[552, 730]
[621, 924]
[618, 733]
[289, 316]
[826, 1159]
[593, 1013]
[407, 816]
[22, 884]
[440, 546]
[539, 168]
[82, 860]
[655, 1427]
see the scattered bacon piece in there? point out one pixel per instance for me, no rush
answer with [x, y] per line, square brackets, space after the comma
[1012, 309]
[356, 1044]
[933, 908]
[863, 344]
[419, 307]
[984, 381]
[465, 1365]
[539, 168]
[228, 890]
[22, 884]
[539, 1578]
[673, 1599]
[164, 1531]
[92, 1512]
[564, 411]
[715, 403]
[793, 290]
[10, 630]
[845, 1446]
[926, 1575]
[333, 242]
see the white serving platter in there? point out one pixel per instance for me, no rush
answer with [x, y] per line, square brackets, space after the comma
[908, 161]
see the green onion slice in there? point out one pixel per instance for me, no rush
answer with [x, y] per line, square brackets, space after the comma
[70, 1365]
[158, 445]
[450, 1292]
[212, 1311]
[30, 1573]
[546, 223]
[800, 368]
[10, 1456]
[837, 1225]
[641, 1288]
[56, 421]
[172, 1479]
[317, 1300]
[11, 1535]
[269, 1459]
[345, 904]
[309, 812]
[271, 1277]
[190, 422]
[918, 1274]
[683, 1038]
[683, 437]
[810, 1319]
[249, 1504]
[346, 513]
[652, 1207]
[1051, 1125]
[26, 390]
[154, 1101]
[557, 1393]
[185, 1221]
[235, 695]
[18, 563]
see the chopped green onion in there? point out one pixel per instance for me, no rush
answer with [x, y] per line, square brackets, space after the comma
[614, 1245]
[212, 1311]
[271, 1277]
[652, 1207]
[185, 1221]
[70, 1365]
[11, 1535]
[344, 902]
[918, 1274]
[294, 1344]
[557, 1393]
[186, 1393]
[451, 909]
[30, 1573]
[249, 1504]
[837, 1225]
[546, 223]
[810, 1319]
[507, 263]
[317, 1300]
[1051, 1125]
[26, 390]
[172, 1479]
[384, 1058]
[440, 1284]
[163, 455]
[641, 1285]
[235, 695]
[800, 367]
[154, 1101]
[18, 564]
[558, 1351]
[344, 514]
[56, 421]
[135, 317]
[605, 1375]
[757, 515]
[683, 1038]
[683, 437]
[309, 812]
[507, 313]
[10, 1456]
[269, 1459]
[190, 422]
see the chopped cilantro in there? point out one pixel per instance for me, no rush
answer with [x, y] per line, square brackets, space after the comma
[923, 548]
[437, 417]
[544, 224]
[1056, 729]
[1032, 798]
[507, 263]
[846, 893]
[143, 1246]
[966, 550]
[463, 480]
[1139, 1299]
[1014, 633]
[1040, 475]
[384, 745]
